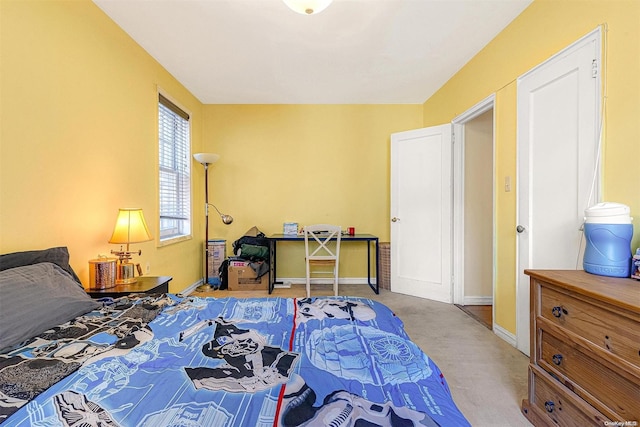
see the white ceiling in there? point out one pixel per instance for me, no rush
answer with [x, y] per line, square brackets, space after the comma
[354, 52]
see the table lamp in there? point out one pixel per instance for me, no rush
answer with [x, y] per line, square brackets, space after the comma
[130, 228]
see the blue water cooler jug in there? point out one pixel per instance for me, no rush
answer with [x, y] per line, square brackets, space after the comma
[608, 231]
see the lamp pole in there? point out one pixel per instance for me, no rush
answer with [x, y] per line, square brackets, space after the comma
[206, 223]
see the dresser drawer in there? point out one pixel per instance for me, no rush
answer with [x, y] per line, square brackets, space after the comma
[613, 392]
[614, 332]
[556, 405]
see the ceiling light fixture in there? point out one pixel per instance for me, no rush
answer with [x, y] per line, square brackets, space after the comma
[308, 7]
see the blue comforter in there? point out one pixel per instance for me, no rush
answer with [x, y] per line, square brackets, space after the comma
[171, 361]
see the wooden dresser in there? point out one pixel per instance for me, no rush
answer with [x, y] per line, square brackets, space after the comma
[585, 350]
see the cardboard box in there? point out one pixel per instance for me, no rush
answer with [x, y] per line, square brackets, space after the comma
[242, 277]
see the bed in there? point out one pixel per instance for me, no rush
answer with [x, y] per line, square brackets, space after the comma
[167, 360]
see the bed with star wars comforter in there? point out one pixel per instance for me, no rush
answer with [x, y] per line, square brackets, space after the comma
[165, 360]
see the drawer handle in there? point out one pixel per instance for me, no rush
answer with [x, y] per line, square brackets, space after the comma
[557, 359]
[548, 405]
[558, 311]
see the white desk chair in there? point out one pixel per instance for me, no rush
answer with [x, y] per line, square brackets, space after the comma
[318, 252]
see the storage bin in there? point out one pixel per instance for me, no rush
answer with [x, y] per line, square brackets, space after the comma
[216, 254]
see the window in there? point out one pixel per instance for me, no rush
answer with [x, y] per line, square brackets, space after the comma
[174, 171]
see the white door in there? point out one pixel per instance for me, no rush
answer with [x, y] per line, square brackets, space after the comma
[421, 213]
[558, 109]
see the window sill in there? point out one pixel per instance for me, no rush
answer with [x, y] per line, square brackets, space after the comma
[172, 240]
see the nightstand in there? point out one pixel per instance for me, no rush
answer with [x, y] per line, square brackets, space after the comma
[145, 285]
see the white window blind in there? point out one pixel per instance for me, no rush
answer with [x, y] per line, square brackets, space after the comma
[175, 170]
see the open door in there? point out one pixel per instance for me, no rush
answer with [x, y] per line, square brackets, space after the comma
[421, 201]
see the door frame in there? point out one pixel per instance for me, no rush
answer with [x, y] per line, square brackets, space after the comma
[458, 199]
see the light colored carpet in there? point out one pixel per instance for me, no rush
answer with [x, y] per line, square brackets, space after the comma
[487, 376]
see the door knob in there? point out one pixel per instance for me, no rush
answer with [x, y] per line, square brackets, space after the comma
[395, 219]
[520, 229]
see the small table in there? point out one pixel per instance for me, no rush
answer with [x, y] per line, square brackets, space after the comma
[368, 238]
[144, 284]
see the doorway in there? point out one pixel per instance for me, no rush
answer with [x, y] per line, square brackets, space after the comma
[473, 165]
[442, 225]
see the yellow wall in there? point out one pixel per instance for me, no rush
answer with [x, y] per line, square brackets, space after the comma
[79, 137]
[78, 141]
[542, 30]
[305, 164]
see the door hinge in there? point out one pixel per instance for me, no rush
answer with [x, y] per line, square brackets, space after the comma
[594, 68]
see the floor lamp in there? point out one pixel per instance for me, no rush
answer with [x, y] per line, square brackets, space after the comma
[206, 159]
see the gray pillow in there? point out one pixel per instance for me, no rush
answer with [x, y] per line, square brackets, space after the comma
[35, 298]
[58, 256]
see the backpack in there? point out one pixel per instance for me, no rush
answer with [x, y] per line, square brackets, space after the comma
[253, 246]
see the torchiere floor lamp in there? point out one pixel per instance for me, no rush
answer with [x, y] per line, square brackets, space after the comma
[206, 159]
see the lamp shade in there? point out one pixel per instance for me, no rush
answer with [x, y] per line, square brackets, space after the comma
[206, 158]
[308, 7]
[130, 227]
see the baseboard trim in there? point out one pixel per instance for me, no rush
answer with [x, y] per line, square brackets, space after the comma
[478, 300]
[504, 334]
[189, 289]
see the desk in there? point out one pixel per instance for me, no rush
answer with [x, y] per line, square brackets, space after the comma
[346, 238]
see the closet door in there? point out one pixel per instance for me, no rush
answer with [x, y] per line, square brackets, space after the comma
[558, 129]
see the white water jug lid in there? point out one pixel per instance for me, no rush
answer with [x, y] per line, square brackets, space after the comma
[608, 209]
[608, 213]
